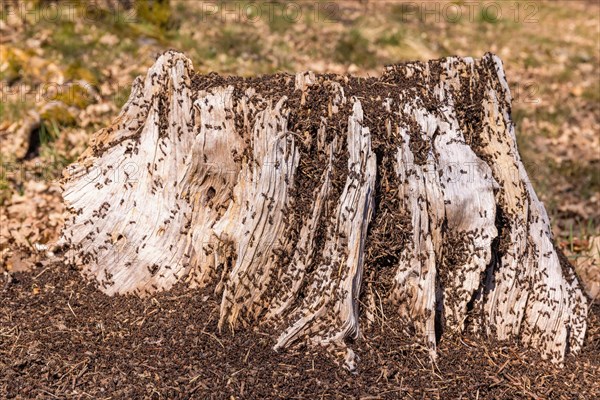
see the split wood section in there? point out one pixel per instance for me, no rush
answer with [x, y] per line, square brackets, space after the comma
[283, 192]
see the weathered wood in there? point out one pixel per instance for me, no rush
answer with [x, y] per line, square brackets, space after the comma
[283, 191]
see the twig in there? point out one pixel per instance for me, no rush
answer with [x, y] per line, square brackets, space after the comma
[214, 337]
[14, 344]
[73, 312]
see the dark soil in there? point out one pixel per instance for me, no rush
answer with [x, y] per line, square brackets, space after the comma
[62, 338]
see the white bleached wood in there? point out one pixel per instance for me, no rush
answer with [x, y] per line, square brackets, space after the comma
[263, 205]
[533, 298]
[334, 293]
[414, 283]
[210, 177]
[468, 186]
[125, 202]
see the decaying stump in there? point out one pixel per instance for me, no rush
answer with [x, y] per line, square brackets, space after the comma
[285, 191]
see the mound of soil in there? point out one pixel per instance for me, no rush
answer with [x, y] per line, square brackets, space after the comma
[60, 337]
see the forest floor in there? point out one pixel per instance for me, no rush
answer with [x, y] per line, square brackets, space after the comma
[60, 337]
[71, 68]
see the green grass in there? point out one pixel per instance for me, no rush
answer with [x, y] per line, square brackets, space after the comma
[491, 13]
[353, 48]
[157, 13]
[54, 161]
[77, 70]
[566, 75]
[198, 51]
[15, 110]
[555, 118]
[48, 132]
[67, 41]
[5, 192]
[9, 170]
[53, 158]
[531, 61]
[391, 39]
[235, 44]
[580, 231]
[592, 93]
[13, 71]
[586, 175]
[57, 116]
[405, 12]
[74, 95]
[280, 23]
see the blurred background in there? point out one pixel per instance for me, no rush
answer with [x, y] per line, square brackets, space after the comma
[66, 70]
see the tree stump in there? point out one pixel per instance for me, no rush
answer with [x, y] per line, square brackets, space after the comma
[285, 191]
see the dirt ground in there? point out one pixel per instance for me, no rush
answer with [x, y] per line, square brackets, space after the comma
[62, 338]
